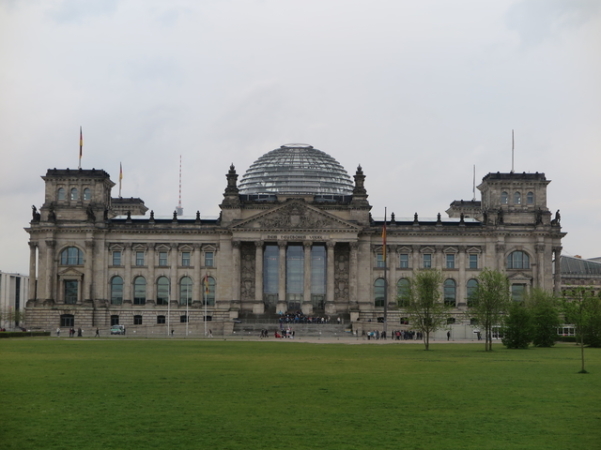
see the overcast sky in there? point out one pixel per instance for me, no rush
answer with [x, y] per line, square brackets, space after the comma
[416, 92]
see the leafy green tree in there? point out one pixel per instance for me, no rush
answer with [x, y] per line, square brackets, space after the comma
[545, 317]
[517, 332]
[489, 302]
[422, 302]
[583, 309]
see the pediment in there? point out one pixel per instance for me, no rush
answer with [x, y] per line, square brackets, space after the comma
[519, 276]
[70, 272]
[295, 215]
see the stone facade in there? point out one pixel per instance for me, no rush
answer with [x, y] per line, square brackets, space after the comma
[321, 255]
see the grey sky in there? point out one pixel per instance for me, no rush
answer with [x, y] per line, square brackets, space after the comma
[414, 91]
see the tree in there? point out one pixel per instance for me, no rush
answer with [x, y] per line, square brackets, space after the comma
[517, 332]
[422, 302]
[489, 302]
[545, 317]
[583, 310]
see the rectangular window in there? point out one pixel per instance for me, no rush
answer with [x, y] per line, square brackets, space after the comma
[183, 319]
[517, 292]
[450, 261]
[67, 320]
[162, 259]
[114, 320]
[185, 259]
[137, 320]
[160, 320]
[404, 261]
[116, 258]
[473, 261]
[427, 261]
[379, 260]
[71, 291]
[209, 259]
[139, 258]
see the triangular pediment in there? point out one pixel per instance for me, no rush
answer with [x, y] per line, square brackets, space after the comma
[70, 272]
[295, 215]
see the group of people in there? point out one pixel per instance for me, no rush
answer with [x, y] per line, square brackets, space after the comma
[72, 332]
[299, 317]
[283, 333]
[399, 335]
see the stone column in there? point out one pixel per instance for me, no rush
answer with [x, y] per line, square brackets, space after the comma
[33, 246]
[392, 257]
[174, 278]
[197, 276]
[50, 275]
[236, 270]
[461, 277]
[88, 271]
[127, 278]
[353, 276]
[415, 258]
[557, 274]
[500, 251]
[330, 274]
[306, 306]
[539, 276]
[259, 306]
[282, 305]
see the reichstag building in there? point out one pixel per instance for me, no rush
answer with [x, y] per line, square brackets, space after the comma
[295, 234]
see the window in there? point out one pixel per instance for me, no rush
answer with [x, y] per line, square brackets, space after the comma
[185, 259]
[473, 261]
[404, 321]
[117, 258]
[87, 194]
[114, 320]
[473, 321]
[140, 291]
[271, 268]
[451, 321]
[209, 259]
[402, 292]
[61, 194]
[160, 320]
[427, 258]
[71, 256]
[71, 291]
[185, 291]
[67, 320]
[472, 285]
[517, 198]
[518, 260]
[137, 320]
[517, 292]
[404, 260]
[183, 319]
[504, 198]
[74, 194]
[209, 291]
[379, 292]
[380, 260]
[450, 261]
[162, 291]
[162, 259]
[530, 198]
[139, 258]
[450, 292]
[116, 291]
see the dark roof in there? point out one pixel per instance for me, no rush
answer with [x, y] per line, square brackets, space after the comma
[93, 173]
[578, 266]
[515, 176]
[126, 201]
[467, 203]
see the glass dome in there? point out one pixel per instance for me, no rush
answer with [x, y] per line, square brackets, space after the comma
[296, 169]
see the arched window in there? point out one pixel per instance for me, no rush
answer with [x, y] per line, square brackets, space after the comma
[71, 256]
[61, 194]
[185, 291]
[517, 198]
[518, 260]
[162, 291]
[139, 291]
[379, 293]
[530, 198]
[74, 194]
[450, 292]
[402, 292]
[209, 291]
[472, 285]
[504, 198]
[116, 291]
[87, 194]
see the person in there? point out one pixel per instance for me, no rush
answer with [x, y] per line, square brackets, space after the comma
[97, 332]
[79, 332]
[172, 331]
[58, 332]
[448, 335]
[210, 333]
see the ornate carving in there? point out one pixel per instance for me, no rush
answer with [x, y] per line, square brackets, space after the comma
[341, 273]
[295, 217]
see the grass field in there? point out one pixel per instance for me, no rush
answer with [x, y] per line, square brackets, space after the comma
[168, 394]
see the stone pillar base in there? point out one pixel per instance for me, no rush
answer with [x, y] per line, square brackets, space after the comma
[281, 307]
[354, 316]
[258, 308]
[330, 308]
[307, 308]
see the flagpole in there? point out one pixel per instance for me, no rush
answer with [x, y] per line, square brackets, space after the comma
[120, 178]
[80, 145]
[384, 254]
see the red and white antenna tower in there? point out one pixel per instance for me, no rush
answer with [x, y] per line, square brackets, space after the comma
[179, 209]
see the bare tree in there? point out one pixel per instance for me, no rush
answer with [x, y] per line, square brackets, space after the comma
[489, 302]
[422, 302]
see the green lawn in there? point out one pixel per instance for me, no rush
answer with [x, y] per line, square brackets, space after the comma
[162, 394]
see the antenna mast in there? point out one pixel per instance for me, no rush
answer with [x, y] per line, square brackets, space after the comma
[178, 208]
